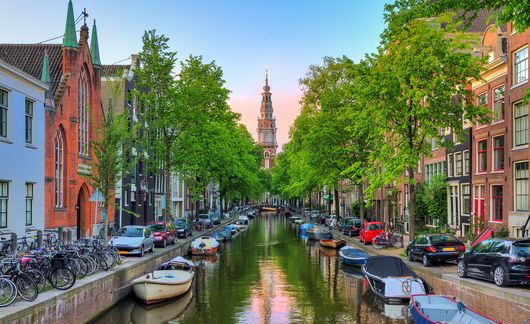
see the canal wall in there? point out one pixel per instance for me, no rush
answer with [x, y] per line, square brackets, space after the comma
[506, 304]
[93, 295]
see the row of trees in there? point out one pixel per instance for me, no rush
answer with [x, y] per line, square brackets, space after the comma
[367, 124]
[185, 126]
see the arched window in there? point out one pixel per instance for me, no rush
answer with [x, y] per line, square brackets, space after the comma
[267, 154]
[59, 169]
[83, 114]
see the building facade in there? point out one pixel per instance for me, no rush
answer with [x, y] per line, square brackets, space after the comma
[22, 99]
[267, 127]
[72, 107]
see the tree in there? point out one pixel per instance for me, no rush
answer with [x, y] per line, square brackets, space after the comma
[414, 81]
[113, 137]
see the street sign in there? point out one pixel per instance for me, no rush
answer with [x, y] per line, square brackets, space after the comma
[96, 196]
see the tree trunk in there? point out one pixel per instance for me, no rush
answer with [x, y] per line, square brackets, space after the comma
[337, 204]
[167, 210]
[361, 203]
[412, 205]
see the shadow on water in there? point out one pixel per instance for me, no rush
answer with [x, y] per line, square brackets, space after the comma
[267, 274]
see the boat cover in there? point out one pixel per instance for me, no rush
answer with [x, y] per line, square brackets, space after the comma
[387, 266]
[177, 260]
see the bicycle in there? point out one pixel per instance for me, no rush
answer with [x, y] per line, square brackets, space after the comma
[386, 239]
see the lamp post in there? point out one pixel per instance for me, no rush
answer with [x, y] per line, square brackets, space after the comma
[143, 189]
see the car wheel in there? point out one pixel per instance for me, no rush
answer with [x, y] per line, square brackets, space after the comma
[142, 252]
[500, 276]
[425, 260]
[350, 234]
[461, 269]
[409, 256]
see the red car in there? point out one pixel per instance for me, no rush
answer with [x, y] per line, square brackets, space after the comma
[370, 230]
[164, 233]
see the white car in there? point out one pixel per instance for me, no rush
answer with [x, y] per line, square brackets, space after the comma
[331, 219]
[133, 240]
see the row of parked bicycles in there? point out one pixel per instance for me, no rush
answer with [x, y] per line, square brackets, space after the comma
[28, 269]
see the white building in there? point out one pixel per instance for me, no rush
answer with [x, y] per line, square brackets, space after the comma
[178, 197]
[22, 100]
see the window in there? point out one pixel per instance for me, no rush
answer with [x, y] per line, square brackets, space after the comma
[496, 203]
[434, 169]
[482, 161]
[498, 153]
[3, 113]
[4, 197]
[482, 100]
[29, 121]
[466, 163]
[450, 165]
[83, 114]
[520, 115]
[434, 144]
[59, 169]
[29, 204]
[498, 104]
[466, 199]
[521, 186]
[458, 164]
[520, 66]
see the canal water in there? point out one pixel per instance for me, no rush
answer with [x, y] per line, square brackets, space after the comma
[267, 274]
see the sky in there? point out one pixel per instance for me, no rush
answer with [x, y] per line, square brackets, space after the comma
[242, 36]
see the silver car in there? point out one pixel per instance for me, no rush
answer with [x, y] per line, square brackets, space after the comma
[131, 240]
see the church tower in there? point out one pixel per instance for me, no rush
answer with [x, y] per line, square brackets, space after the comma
[267, 126]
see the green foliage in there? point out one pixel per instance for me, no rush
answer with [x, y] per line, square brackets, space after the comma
[502, 232]
[433, 200]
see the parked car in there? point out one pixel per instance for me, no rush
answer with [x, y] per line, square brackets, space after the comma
[503, 261]
[214, 218]
[184, 229]
[329, 219]
[322, 218]
[206, 220]
[370, 230]
[315, 213]
[133, 240]
[164, 233]
[350, 226]
[435, 247]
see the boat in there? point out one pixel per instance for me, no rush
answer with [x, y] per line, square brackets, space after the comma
[159, 285]
[162, 312]
[426, 309]
[391, 280]
[218, 237]
[243, 220]
[296, 219]
[318, 233]
[204, 245]
[332, 243]
[304, 227]
[352, 256]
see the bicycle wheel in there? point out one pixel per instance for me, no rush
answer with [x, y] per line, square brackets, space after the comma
[62, 278]
[37, 276]
[8, 292]
[102, 261]
[376, 244]
[73, 264]
[397, 242]
[27, 288]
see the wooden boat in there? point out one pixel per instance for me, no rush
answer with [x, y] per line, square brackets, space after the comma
[204, 245]
[332, 243]
[352, 256]
[391, 280]
[427, 309]
[161, 285]
[318, 233]
[162, 312]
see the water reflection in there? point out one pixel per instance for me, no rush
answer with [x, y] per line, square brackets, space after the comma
[267, 274]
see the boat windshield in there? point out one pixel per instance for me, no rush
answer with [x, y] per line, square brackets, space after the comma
[522, 248]
[130, 232]
[443, 238]
[156, 227]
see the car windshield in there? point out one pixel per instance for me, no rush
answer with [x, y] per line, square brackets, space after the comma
[203, 216]
[443, 238]
[156, 227]
[348, 221]
[373, 227]
[522, 248]
[131, 232]
[180, 223]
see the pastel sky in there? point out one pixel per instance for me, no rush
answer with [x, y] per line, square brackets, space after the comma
[242, 36]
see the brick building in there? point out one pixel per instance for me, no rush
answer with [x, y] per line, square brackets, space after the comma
[72, 106]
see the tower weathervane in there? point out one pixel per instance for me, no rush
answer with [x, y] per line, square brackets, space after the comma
[85, 15]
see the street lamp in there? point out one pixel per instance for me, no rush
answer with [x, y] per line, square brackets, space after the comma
[143, 189]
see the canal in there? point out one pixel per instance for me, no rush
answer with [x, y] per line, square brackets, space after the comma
[267, 274]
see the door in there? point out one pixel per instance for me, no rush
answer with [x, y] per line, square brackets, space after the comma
[478, 207]
[419, 246]
[476, 263]
[78, 219]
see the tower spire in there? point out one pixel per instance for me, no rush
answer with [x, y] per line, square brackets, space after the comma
[94, 46]
[266, 87]
[70, 38]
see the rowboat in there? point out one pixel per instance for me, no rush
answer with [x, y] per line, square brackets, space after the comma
[318, 233]
[161, 312]
[204, 245]
[332, 243]
[427, 309]
[353, 256]
[161, 285]
[391, 280]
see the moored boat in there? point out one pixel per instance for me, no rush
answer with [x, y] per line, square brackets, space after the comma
[352, 256]
[427, 309]
[161, 312]
[204, 245]
[332, 243]
[161, 285]
[318, 233]
[391, 280]
[304, 227]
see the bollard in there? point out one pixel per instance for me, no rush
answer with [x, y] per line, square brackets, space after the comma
[69, 236]
[13, 242]
[59, 233]
[39, 239]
